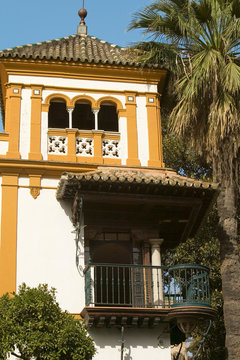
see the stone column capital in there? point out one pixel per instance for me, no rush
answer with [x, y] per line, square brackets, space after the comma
[156, 242]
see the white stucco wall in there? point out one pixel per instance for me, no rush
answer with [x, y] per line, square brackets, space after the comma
[44, 136]
[140, 343]
[25, 124]
[3, 147]
[46, 250]
[124, 142]
[82, 83]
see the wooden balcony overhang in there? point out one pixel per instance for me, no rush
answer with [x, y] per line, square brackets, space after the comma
[142, 317]
[123, 316]
[175, 204]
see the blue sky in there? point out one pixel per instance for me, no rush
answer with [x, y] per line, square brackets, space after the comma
[27, 21]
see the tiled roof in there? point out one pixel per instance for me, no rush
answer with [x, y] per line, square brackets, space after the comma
[155, 179]
[77, 48]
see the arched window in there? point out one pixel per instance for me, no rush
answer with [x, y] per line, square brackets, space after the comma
[83, 117]
[58, 115]
[107, 117]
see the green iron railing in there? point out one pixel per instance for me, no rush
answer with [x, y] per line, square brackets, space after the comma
[189, 285]
[142, 286]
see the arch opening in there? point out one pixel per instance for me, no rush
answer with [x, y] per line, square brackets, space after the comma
[108, 118]
[58, 115]
[83, 117]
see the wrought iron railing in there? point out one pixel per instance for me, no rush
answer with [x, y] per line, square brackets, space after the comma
[142, 286]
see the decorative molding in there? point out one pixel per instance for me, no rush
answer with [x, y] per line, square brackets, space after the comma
[110, 148]
[84, 146]
[35, 192]
[57, 145]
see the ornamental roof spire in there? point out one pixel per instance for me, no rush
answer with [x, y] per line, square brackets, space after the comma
[82, 28]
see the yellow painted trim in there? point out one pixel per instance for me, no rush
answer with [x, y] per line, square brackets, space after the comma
[110, 99]
[12, 120]
[154, 133]
[57, 132]
[8, 247]
[51, 97]
[83, 97]
[85, 133]
[35, 185]
[4, 80]
[86, 71]
[71, 134]
[111, 161]
[63, 132]
[97, 138]
[62, 158]
[45, 107]
[35, 132]
[160, 131]
[85, 90]
[53, 168]
[131, 115]
[4, 136]
[41, 187]
[111, 136]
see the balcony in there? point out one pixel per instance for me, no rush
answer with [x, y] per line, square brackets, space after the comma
[144, 295]
[85, 146]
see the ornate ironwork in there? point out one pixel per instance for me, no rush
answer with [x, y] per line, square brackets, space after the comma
[146, 286]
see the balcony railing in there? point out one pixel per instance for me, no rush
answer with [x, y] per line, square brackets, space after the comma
[142, 286]
[83, 143]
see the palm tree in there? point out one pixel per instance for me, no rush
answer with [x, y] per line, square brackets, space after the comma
[201, 43]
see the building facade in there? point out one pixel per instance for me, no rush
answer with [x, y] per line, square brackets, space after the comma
[86, 203]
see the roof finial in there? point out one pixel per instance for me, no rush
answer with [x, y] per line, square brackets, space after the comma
[82, 28]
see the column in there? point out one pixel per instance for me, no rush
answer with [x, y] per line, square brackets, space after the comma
[95, 112]
[70, 111]
[12, 119]
[35, 137]
[71, 152]
[97, 138]
[132, 139]
[157, 278]
[154, 132]
[8, 245]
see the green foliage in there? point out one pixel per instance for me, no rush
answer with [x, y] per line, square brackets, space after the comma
[33, 326]
[179, 157]
[203, 111]
[204, 250]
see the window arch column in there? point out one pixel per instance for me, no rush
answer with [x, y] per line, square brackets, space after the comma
[95, 112]
[70, 111]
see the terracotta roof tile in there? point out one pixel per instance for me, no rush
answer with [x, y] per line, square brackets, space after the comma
[110, 175]
[78, 48]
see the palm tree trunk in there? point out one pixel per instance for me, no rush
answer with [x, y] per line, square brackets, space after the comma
[230, 262]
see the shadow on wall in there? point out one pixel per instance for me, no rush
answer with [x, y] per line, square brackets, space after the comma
[66, 205]
[127, 355]
[135, 338]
